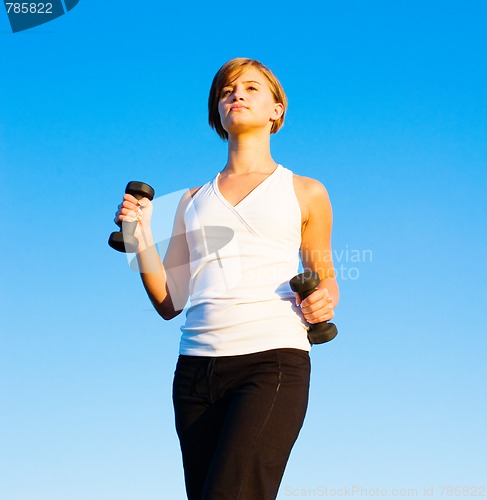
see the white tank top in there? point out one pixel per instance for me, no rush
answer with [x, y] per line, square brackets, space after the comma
[241, 261]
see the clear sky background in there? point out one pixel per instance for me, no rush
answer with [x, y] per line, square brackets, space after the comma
[388, 108]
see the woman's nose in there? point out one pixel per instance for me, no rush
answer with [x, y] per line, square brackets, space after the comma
[237, 94]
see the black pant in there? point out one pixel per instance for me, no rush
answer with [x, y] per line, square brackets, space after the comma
[237, 418]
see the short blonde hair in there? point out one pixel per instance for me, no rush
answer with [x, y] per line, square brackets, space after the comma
[228, 73]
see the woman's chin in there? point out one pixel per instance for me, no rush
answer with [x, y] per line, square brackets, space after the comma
[239, 128]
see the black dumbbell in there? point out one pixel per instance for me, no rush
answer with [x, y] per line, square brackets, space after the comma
[124, 240]
[304, 284]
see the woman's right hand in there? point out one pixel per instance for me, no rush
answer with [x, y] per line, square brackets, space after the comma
[131, 210]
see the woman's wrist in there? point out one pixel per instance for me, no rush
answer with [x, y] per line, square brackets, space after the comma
[145, 238]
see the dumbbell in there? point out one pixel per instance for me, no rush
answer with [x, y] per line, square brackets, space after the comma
[305, 284]
[124, 240]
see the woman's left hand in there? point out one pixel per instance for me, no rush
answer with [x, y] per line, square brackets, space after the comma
[318, 306]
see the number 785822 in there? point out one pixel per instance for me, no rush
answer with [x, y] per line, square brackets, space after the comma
[28, 8]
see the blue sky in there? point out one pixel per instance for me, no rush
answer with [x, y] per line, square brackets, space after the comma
[387, 108]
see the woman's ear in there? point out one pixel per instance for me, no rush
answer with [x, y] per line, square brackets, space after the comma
[277, 112]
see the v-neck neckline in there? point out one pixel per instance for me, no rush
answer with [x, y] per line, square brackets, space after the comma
[249, 194]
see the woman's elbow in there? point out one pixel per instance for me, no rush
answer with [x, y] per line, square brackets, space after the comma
[168, 315]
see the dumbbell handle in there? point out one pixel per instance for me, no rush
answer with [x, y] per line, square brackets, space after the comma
[138, 190]
[124, 240]
[305, 284]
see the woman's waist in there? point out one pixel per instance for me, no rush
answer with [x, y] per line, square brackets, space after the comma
[213, 329]
[221, 314]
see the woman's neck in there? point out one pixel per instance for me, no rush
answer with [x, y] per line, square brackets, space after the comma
[247, 154]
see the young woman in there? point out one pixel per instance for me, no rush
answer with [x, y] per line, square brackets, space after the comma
[241, 382]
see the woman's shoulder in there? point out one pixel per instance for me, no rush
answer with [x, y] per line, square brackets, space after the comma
[186, 199]
[312, 196]
[193, 191]
[308, 186]
[189, 194]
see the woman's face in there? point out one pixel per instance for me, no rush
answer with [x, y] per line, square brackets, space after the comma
[247, 104]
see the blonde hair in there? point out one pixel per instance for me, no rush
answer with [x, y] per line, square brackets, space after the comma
[228, 73]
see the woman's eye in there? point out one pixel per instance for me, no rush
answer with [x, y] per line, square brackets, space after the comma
[252, 88]
[226, 92]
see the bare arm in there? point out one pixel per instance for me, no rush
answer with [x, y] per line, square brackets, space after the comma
[166, 283]
[316, 250]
